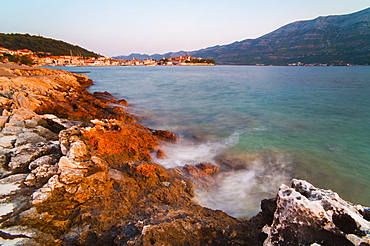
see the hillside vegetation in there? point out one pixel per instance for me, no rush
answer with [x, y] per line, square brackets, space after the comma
[15, 41]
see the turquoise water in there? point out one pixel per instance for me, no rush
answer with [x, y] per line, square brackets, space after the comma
[278, 122]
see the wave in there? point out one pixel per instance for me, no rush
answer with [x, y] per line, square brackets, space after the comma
[238, 192]
[245, 178]
[187, 152]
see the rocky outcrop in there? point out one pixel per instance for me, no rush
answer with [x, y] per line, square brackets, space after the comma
[29, 152]
[84, 175]
[306, 215]
[59, 93]
[99, 197]
[88, 178]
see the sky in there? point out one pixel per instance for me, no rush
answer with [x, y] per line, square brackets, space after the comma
[121, 27]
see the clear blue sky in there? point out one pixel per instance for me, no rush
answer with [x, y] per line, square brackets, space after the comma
[121, 27]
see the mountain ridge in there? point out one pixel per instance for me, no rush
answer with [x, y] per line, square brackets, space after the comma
[333, 39]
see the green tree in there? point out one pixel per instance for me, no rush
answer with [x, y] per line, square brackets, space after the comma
[26, 60]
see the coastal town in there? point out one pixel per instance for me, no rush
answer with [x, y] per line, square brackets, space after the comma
[47, 59]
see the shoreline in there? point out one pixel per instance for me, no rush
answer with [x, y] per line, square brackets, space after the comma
[76, 168]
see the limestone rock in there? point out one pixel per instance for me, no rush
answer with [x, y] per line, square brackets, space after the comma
[105, 96]
[165, 135]
[45, 133]
[11, 184]
[42, 169]
[18, 235]
[13, 197]
[14, 128]
[115, 174]
[47, 160]
[29, 138]
[31, 123]
[99, 162]
[71, 171]
[79, 152]
[306, 215]
[201, 169]
[7, 141]
[161, 154]
[22, 114]
[4, 161]
[23, 100]
[41, 195]
[65, 138]
[56, 124]
[3, 120]
[57, 92]
[5, 103]
[22, 156]
[130, 141]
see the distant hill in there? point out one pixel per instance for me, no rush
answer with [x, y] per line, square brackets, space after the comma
[37, 43]
[154, 56]
[331, 39]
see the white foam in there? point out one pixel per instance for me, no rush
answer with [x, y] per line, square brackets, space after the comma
[239, 193]
[187, 152]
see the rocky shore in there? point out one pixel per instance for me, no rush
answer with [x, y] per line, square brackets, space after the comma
[76, 169]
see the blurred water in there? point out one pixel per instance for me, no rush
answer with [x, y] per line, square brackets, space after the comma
[279, 122]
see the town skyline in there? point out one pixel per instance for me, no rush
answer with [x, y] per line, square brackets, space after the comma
[48, 59]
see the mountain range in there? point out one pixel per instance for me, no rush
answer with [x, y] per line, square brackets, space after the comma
[338, 39]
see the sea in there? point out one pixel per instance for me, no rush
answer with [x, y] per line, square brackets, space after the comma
[263, 125]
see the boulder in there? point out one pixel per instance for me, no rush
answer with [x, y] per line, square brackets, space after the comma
[307, 215]
[165, 136]
[161, 155]
[65, 138]
[78, 151]
[201, 170]
[113, 138]
[42, 169]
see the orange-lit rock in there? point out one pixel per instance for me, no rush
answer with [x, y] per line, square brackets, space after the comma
[201, 169]
[161, 155]
[165, 136]
[132, 142]
[60, 93]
